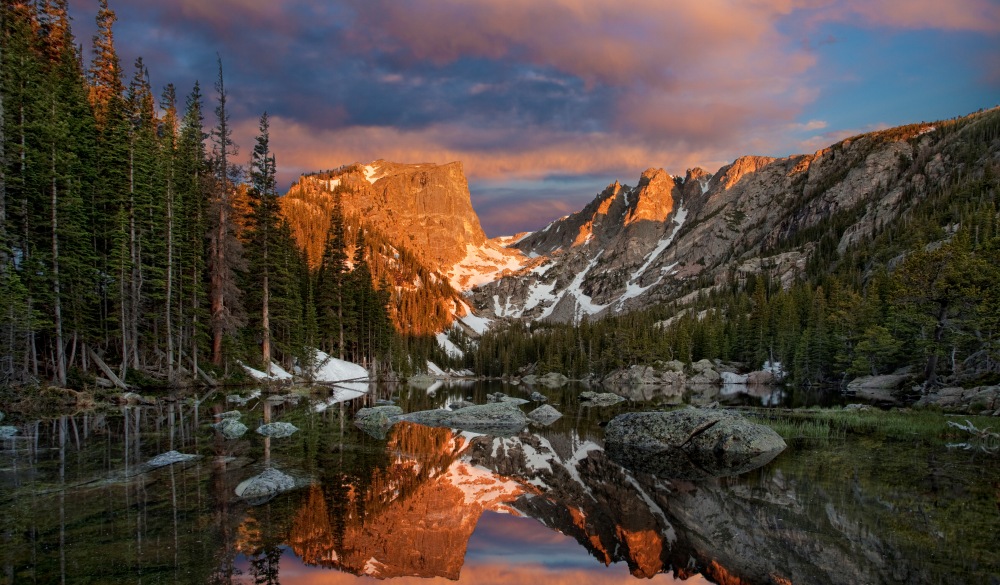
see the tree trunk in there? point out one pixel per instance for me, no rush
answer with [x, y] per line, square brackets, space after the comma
[266, 325]
[170, 277]
[57, 300]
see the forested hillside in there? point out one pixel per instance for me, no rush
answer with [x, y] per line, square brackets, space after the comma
[923, 292]
[137, 245]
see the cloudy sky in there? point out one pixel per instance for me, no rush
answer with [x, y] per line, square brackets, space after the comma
[547, 101]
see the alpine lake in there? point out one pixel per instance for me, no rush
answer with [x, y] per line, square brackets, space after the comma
[80, 501]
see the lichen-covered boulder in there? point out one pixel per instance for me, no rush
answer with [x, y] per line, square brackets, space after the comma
[261, 488]
[376, 420]
[230, 428]
[544, 415]
[277, 430]
[169, 458]
[691, 443]
[497, 417]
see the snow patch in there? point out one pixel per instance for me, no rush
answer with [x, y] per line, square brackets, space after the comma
[449, 348]
[371, 172]
[633, 289]
[331, 370]
[434, 370]
[277, 373]
[484, 264]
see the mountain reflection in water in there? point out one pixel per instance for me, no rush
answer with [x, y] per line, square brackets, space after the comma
[78, 504]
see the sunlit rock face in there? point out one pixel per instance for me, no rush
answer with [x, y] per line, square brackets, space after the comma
[424, 207]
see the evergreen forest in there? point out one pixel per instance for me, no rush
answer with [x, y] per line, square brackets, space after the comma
[138, 246]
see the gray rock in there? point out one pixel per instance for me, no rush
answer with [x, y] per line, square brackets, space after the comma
[133, 399]
[538, 397]
[376, 421]
[731, 378]
[230, 414]
[634, 376]
[7, 432]
[529, 379]
[691, 443]
[760, 378]
[544, 415]
[497, 417]
[858, 407]
[878, 388]
[674, 366]
[553, 380]
[591, 398]
[169, 458]
[430, 418]
[277, 430]
[261, 488]
[502, 415]
[461, 404]
[498, 397]
[230, 428]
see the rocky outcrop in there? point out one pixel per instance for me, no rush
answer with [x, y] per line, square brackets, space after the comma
[690, 443]
[983, 400]
[646, 376]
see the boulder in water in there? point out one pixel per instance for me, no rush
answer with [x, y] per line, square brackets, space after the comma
[691, 443]
[230, 428]
[277, 430]
[544, 415]
[261, 488]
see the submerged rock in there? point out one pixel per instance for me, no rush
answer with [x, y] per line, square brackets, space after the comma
[501, 397]
[376, 420]
[277, 430]
[538, 397]
[230, 428]
[878, 388]
[599, 398]
[553, 380]
[544, 415]
[691, 443]
[498, 417]
[261, 488]
[169, 458]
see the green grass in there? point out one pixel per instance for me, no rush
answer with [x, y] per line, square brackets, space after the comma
[837, 423]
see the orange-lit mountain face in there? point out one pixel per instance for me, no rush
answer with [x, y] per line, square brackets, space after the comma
[636, 245]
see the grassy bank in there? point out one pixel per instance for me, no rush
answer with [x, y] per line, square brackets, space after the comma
[894, 425]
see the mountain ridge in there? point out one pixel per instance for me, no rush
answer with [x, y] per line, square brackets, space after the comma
[661, 239]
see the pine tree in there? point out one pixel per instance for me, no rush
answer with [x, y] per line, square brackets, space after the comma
[225, 251]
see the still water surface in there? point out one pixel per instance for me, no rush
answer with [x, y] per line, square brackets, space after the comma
[79, 505]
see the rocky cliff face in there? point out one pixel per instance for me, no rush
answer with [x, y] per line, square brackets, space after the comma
[633, 246]
[425, 207]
